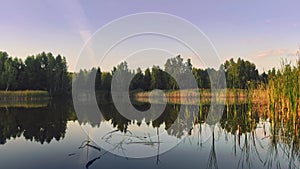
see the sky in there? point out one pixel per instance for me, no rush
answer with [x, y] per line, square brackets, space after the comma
[263, 32]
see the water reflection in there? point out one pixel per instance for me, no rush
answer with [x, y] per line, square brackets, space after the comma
[257, 136]
[255, 139]
[41, 124]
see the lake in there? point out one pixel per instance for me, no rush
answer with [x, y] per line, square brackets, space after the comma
[51, 136]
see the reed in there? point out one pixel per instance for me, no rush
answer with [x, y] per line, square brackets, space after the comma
[284, 91]
[191, 96]
[25, 104]
[26, 95]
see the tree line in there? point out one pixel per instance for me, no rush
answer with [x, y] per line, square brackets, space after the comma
[239, 74]
[40, 72]
[45, 71]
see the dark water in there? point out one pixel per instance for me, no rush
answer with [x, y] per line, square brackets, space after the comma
[52, 137]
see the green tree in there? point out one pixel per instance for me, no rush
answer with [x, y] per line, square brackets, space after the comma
[10, 73]
[79, 81]
[31, 73]
[175, 67]
[202, 78]
[98, 79]
[3, 58]
[62, 80]
[106, 81]
[241, 73]
[159, 79]
[138, 80]
[51, 69]
[147, 79]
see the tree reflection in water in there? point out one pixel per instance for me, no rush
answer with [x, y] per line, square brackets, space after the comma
[267, 137]
[39, 124]
[246, 126]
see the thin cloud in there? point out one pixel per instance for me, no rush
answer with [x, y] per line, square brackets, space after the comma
[268, 21]
[75, 15]
[85, 34]
[275, 52]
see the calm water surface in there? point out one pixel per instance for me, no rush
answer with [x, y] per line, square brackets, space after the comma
[50, 136]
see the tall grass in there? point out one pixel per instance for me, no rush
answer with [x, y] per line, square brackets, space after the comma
[25, 104]
[283, 100]
[27, 95]
[284, 91]
[191, 96]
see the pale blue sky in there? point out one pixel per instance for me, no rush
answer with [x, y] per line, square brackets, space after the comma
[259, 31]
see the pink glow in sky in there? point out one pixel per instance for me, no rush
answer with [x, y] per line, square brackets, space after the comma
[259, 31]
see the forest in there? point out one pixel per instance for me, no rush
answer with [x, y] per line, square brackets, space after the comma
[40, 72]
[47, 72]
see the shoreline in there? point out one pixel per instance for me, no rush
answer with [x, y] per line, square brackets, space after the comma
[24, 95]
[191, 96]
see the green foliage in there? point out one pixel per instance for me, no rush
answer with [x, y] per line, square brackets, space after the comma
[138, 81]
[176, 68]
[239, 74]
[106, 81]
[40, 72]
[38, 124]
[98, 79]
[122, 74]
[147, 79]
[159, 78]
[47, 72]
[284, 89]
[202, 78]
